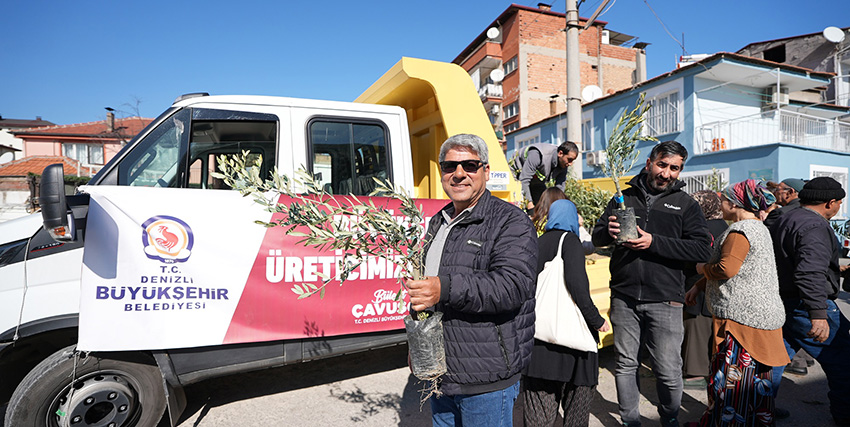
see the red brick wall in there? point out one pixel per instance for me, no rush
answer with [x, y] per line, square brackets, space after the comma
[510, 49]
[546, 74]
[543, 70]
[546, 71]
[14, 184]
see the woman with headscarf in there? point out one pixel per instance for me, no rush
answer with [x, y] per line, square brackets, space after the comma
[558, 376]
[742, 289]
[541, 209]
[697, 344]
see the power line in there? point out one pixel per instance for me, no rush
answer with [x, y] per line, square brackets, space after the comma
[607, 9]
[665, 28]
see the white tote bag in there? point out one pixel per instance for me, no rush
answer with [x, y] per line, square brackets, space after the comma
[559, 320]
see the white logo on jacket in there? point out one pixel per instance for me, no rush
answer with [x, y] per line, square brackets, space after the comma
[675, 208]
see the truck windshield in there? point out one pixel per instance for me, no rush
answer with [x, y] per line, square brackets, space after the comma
[181, 152]
[154, 162]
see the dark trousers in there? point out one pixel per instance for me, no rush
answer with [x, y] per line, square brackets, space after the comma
[542, 398]
[832, 354]
[696, 347]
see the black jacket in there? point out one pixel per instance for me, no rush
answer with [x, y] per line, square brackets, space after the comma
[807, 253]
[487, 277]
[774, 214]
[679, 235]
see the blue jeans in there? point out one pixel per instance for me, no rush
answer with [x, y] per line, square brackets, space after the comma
[495, 409]
[832, 354]
[658, 326]
[779, 370]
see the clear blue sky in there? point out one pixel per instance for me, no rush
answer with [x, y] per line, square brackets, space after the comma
[67, 60]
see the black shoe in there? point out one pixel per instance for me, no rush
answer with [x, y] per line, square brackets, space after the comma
[781, 413]
[796, 370]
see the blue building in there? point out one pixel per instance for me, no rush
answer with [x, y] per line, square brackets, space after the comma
[739, 117]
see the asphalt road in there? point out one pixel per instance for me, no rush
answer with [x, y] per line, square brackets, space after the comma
[376, 389]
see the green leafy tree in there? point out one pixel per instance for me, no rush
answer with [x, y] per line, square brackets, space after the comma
[621, 152]
[715, 181]
[372, 231]
[589, 199]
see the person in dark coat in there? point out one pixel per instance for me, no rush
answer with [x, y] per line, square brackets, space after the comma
[648, 279]
[807, 259]
[787, 197]
[697, 345]
[480, 261]
[559, 376]
[542, 165]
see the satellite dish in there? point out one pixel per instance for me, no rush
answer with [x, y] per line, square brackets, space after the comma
[591, 93]
[497, 75]
[833, 34]
[493, 33]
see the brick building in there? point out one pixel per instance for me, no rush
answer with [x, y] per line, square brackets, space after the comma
[518, 64]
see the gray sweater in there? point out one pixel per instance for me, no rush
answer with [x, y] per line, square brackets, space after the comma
[751, 297]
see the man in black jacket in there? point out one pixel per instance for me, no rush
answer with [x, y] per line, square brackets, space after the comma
[787, 196]
[647, 279]
[807, 253]
[480, 265]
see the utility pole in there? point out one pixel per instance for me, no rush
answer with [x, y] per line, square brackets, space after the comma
[573, 84]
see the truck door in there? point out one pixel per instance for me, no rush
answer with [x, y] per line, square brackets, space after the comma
[348, 154]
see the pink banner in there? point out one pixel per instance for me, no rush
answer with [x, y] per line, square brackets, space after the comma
[269, 309]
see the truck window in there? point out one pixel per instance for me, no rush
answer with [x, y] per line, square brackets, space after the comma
[347, 156]
[182, 153]
[153, 163]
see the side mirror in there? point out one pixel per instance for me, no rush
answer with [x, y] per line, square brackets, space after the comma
[54, 209]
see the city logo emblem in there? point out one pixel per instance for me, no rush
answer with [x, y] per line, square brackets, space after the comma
[167, 239]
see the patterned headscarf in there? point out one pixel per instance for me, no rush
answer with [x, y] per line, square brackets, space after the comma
[563, 216]
[751, 195]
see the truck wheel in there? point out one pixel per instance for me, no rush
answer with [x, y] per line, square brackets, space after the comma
[116, 390]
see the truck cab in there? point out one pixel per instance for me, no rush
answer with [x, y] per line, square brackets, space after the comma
[393, 132]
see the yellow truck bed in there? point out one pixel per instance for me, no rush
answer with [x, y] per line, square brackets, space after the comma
[441, 100]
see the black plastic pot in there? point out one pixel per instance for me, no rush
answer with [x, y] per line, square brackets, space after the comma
[628, 224]
[426, 346]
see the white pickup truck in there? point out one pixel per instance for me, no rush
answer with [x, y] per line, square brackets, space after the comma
[394, 131]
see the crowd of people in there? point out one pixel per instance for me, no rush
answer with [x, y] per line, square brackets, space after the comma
[719, 290]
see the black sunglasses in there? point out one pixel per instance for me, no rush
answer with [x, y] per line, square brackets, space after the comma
[469, 166]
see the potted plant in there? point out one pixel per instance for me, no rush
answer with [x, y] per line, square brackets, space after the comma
[314, 215]
[621, 155]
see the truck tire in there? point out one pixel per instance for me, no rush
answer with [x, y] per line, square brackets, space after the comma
[116, 389]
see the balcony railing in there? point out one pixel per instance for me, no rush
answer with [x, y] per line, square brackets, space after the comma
[772, 127]
[490, 91]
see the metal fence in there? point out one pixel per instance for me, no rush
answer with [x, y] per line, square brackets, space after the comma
[771, 127]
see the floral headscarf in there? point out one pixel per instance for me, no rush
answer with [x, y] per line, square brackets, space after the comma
[751, 195]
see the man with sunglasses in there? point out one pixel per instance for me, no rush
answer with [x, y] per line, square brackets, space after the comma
[539, 166]
[480, 268]
[787, 196]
